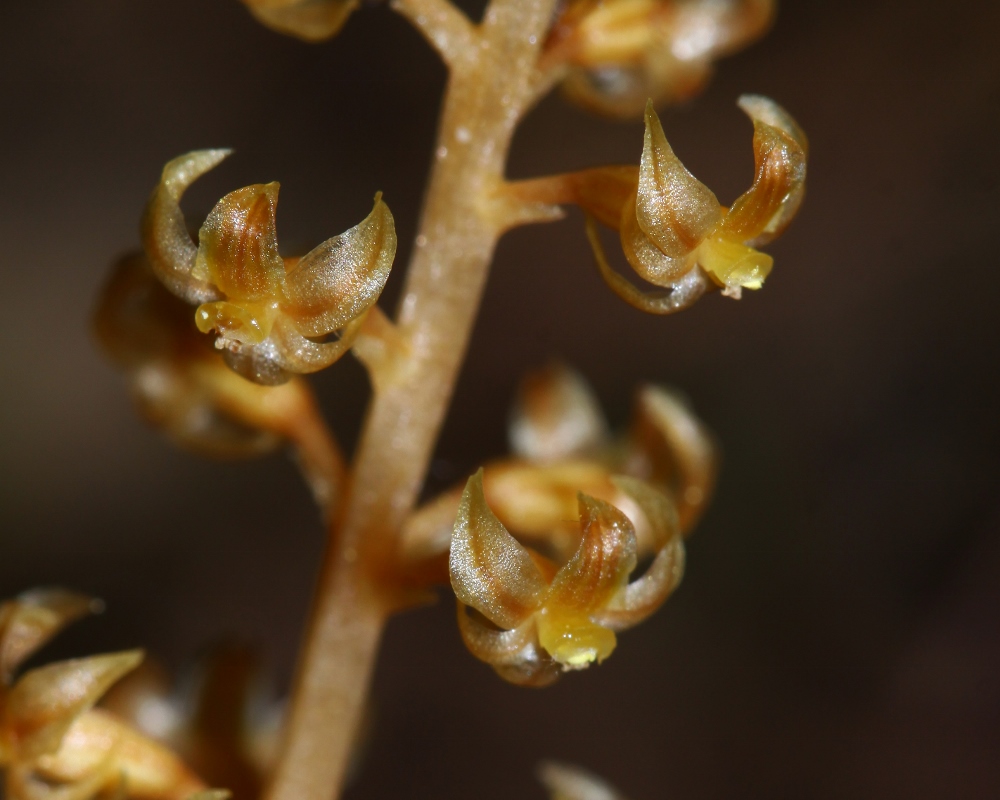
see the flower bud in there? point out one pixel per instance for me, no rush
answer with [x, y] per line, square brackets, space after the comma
[571, 783]
[310, 20]
[555, 416]
[622, 52]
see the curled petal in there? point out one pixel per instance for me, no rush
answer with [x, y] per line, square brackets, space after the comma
[602, 563]
[780, 150]
[310, 20]
[674, 448]
[149, 769]
[165, 238]
[571, 783]
[683, 293]
[514, 654]
[31, 620]
[555, 416]
[238, 244]
[343, 277]
[44, 702]
[586, 584]
[490, 570]
[642, 597]
[673, 208]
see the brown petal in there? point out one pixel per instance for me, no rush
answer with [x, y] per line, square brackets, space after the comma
[238, 244]
[44, 702]
[31, 620]
[490, 570]
[165, 237]
[780, 149]
[555, 416]
[649, 262]
[342, 278]
[601, 565]
[673, 208]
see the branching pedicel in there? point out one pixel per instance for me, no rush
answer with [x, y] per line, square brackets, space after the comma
[215, 336]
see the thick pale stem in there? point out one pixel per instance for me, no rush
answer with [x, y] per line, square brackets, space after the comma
[490, 89]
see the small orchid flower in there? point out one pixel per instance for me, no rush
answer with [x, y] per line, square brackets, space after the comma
[269, 313]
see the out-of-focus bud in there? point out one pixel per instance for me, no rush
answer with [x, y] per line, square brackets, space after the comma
[621, 52]
[268, 312]
[532, 619]
[310, 20]
[572, 783]
[669, 446]
[53, 744]
[676, 235]
[31, 620]
[555, 416]
[182, 385]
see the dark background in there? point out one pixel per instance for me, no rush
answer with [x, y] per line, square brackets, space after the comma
[836, 634]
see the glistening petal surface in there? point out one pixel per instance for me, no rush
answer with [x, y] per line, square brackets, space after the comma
[490, 570]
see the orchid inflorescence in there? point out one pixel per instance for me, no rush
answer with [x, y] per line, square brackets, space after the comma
[551, 551]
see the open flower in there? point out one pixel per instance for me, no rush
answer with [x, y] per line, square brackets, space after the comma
[270, 314]
[533, 619]
[311, 20]
[673, 230]
[53, 744]
[621, 52]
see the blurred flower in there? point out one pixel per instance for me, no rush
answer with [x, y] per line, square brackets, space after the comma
[311, 20]
[572, 783]
[269, 313]
[53, 744]
[182, 385]
[622, 52]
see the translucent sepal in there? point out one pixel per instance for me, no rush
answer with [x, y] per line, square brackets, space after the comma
[171, 252]
[673, 208]
[343, 277]
[780, 149]
[490, 570]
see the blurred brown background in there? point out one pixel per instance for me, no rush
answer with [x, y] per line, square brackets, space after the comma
[838, 631]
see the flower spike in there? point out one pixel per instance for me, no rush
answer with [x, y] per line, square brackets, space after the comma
[490, 570]
[309, 20]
